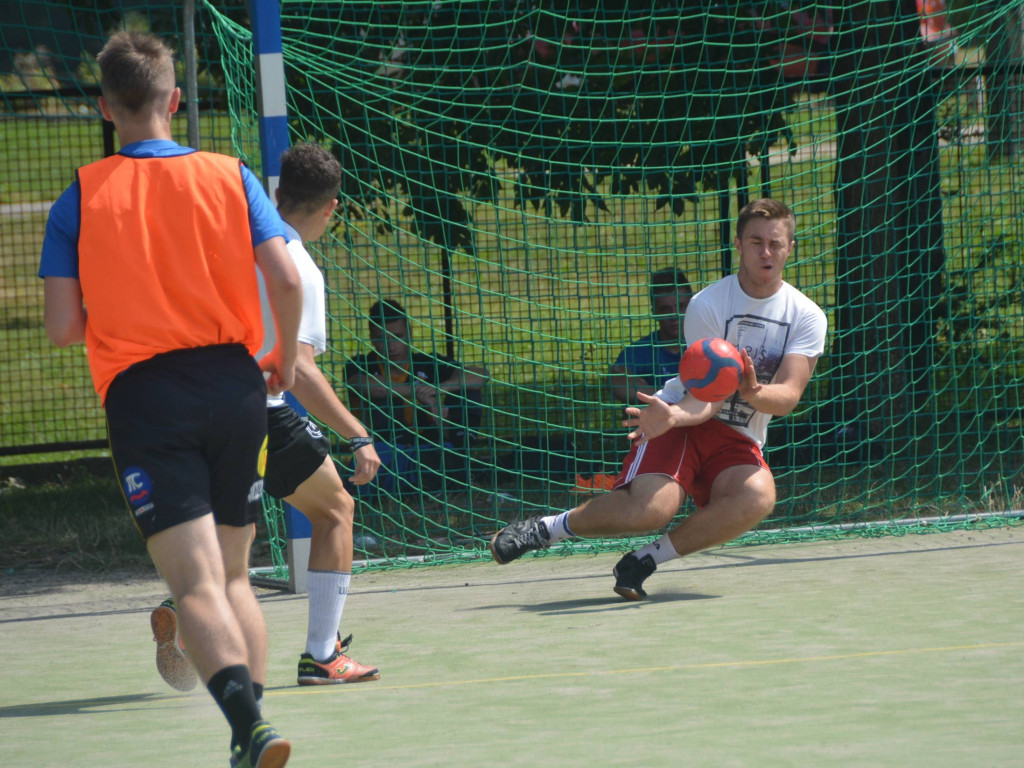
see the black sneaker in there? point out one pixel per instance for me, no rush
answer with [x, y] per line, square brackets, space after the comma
[518, 538]
[266, 749]
[630, 573]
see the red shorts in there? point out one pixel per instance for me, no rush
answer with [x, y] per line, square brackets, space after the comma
[692, 456]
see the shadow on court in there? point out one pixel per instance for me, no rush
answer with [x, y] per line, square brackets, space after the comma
[595, 604]
[87, 706]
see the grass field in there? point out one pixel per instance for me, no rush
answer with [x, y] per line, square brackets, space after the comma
[887, 652]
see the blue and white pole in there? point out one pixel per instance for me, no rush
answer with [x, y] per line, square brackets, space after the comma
[271, 101]
[272, 105]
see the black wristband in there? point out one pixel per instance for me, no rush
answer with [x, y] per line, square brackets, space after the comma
[355, 443]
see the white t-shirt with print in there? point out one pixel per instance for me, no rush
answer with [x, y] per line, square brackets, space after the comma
[785, 323]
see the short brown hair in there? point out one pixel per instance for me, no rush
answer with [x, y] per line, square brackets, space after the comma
[136, 71]
[768, 209]
[310, 177]
[387, 311]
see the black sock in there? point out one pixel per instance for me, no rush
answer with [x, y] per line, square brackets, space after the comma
[257, 691]
[232, 689]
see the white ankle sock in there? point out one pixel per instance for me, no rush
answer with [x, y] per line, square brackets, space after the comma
[558, 526]
[661, 550]
[327, 593]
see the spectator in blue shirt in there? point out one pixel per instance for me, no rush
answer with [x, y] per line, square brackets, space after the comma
[647, 363]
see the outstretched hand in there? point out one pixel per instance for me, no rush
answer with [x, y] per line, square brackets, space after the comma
[650, 422]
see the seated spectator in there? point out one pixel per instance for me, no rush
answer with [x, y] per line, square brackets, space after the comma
[421, 408]
[647, 363]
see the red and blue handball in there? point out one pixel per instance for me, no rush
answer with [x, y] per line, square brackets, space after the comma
[711, 369]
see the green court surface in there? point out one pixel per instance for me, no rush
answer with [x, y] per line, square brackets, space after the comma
[894, 651]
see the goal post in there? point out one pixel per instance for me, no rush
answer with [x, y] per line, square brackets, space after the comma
[272, 112]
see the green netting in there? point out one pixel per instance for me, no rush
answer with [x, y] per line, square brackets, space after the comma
[515, 172]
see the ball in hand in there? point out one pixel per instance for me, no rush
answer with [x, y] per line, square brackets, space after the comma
[711, 369]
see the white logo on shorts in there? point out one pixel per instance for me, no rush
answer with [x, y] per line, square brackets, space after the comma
[143, 510]
[256, 490]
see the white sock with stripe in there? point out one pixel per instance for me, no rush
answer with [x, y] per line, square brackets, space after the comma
[558, 526]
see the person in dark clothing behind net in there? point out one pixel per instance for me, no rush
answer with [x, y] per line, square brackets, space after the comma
[422, 408]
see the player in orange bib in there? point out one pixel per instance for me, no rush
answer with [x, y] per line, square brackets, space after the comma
[149, 258]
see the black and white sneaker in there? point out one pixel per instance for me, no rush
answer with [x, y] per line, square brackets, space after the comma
[630, 573]
[518, 538]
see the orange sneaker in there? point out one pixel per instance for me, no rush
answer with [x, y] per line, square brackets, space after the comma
[337, 669]
[594, 484]
[171, 661]
[584, 484]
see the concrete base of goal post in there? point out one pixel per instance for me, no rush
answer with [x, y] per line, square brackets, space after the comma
[298, 531]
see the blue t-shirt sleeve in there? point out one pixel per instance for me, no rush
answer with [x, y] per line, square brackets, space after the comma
[60, 243]
[264, 220]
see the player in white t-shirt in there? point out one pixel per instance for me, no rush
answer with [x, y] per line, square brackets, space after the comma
[682, 446]
[299, 468]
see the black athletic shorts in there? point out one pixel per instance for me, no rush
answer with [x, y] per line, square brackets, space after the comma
[187, 435]
[295, 450]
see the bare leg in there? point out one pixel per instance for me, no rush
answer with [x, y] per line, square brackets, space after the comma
[188, 556]
[235, 543]
[741, 497]
[330, 508]
[323, 499]
[649, 503]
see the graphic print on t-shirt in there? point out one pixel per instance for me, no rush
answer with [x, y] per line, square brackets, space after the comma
[765, 342]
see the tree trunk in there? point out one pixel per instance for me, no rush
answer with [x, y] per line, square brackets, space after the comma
[889, 228]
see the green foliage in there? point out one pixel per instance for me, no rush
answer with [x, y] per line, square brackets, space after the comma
[648, 96]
